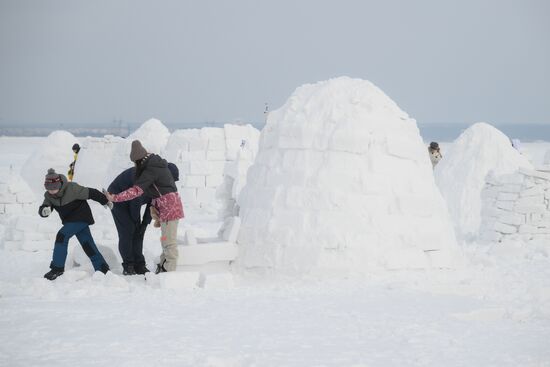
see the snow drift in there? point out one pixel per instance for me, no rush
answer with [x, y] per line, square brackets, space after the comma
[342, 181]
[462, 172]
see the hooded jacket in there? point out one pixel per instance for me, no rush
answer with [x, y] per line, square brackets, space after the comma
[132, 208]
[155, 180]
[70, 202]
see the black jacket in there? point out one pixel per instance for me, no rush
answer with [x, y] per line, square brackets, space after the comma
[124, 181]
[70, 202]
[154, 177]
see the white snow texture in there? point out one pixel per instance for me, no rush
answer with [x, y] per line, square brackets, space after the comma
[461, 174]
[342, 182]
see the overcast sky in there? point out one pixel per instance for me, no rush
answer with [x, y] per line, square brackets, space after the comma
[196, 61]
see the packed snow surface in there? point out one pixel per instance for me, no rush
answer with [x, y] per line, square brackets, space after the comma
[493, 311]
[342, 181]
[462, 172]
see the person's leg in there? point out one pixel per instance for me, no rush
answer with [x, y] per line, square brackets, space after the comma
[126, 228]
[88, 245]
[137, 248]
[169, 257]
[61, 244]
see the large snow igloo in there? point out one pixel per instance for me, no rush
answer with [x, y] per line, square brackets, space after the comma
[342, 182]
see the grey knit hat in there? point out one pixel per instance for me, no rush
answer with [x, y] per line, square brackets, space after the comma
[138, 151]
[53, 180]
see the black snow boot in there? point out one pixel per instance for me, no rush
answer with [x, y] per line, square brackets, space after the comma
[141, 269]
[160, 268]
[104, 268]
[54, 273]
[128, 269]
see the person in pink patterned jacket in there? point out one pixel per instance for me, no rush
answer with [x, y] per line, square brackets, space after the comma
[155, 179]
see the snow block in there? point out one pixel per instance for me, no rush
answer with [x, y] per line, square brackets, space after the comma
[206, 195]
[507, 196]
[179, 280]
[192, 156]
[534, 173]
[231, 229]
[533, 191]
[505, 228]
[215, 155]
[189, 238]
[506, 205]
[199, 167]
[216, 144]
[527, 209]
[203, 253]
[195, 181]
[512, 218]
[530, 200]
[13, 209]
[217, 281]
[214, 180]
[7, 198]
[216, 167]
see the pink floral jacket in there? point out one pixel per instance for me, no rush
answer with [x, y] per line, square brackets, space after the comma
[168, 205]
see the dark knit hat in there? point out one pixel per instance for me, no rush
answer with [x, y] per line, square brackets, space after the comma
[434, 145]
[53, 180]
[138, 151]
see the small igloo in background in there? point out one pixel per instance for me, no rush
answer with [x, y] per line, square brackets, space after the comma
[462, 173]
[342, 181]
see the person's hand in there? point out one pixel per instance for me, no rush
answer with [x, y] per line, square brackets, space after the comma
[109, 205]
[46, 211]
[108, 195]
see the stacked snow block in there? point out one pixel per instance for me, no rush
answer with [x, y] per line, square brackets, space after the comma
[16, 197]
[516, 206]
[210, 255]
[30, 233]
[342, 183]
[210, 161]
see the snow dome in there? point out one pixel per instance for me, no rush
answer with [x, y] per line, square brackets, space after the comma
[54, 152]
[342, 181]
[461, 174]
[153, 136]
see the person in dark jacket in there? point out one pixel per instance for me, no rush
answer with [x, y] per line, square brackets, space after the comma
[153, 178]
[69, 200]
[129, 224]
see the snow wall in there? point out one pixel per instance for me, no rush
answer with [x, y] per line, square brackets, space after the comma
[516, 207]
[461, 174]
[342, 181]
[213, 163]
[54, 152]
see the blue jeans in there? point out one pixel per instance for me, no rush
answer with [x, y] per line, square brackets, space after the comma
[84, 236]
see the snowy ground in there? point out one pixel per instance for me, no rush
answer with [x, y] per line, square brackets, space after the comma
[494, 311]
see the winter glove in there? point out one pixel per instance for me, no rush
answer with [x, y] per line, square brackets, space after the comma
[46, 211]
[109, 205]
